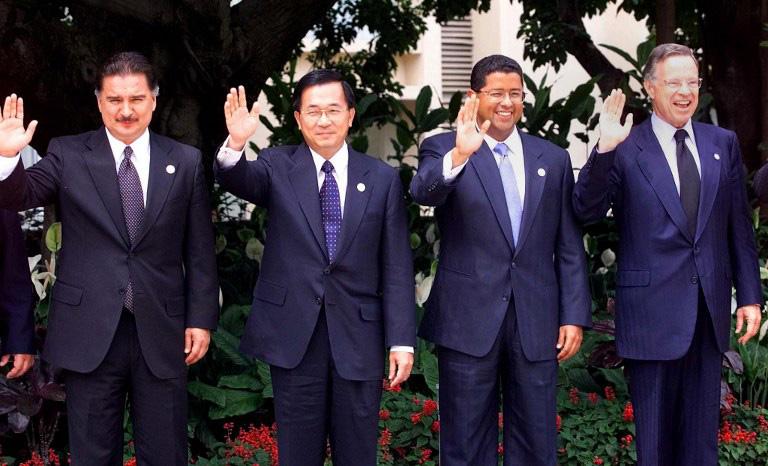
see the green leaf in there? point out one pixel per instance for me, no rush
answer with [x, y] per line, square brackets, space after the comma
[433, 120]
[364, 103]
[415, 240]
[454, 106]
[237, 403]
[53, 237]
[228, 345]
[422, 104]
[266, 378]
[245, 234]
[221, 243]
[622, 54]
[241, 381]
[207, 392]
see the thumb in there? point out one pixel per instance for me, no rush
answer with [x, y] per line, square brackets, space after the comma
[628, 122]
[392, 366]
[187, 341]
[4, 359]
[484, 127]
[739, 321]
[561, 339]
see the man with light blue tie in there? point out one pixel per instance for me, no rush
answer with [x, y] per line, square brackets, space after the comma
[510, 298]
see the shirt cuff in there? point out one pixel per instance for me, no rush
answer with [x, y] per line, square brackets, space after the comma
[450, 173]
[406, 349]
[8, 165]
[227, 158]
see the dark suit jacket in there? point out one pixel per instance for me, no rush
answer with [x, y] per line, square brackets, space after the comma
[480, 269]
[172, 263]
[660, 266]
[368, 291]
[16, 295]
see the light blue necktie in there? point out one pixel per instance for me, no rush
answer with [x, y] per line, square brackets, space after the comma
[511, 193]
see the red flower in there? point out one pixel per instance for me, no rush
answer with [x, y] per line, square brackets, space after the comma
[573, 394]
[597, 460]
[629, 412]
[383, 414]
[610, 394]
[500, 449]
[416, 418]
[426, 453]
[430, 406]
[592, 398]
[435, 427]
[501, 420]
[626, 441]
[385, 438]
[389, 388]
[559, 422]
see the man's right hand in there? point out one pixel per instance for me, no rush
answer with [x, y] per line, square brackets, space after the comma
[468, 138]
[241, 123]
[13, 136]
[612, 132]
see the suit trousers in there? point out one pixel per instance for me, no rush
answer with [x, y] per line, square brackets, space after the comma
[677, 403]
[469, 404]
[96, 403]
[314, 403]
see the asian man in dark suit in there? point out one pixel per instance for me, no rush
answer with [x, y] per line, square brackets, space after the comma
[136, 293]
[510, 297]
[676, 189]
[17, 324]
[336, 284]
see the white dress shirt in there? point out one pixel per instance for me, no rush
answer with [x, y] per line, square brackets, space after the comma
[228, 158]
[140, 159]
[515, 146]
[665, 133]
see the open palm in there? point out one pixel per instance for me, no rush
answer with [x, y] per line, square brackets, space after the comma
[241, 123]
[612, 132]
[468, 138]
[13, 136]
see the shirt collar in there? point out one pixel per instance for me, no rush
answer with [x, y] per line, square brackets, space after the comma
[666, 132]
[340, 159]
[513, 141]
[140, 146]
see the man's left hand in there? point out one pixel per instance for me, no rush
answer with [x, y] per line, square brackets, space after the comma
[569, 341]
[752, 315]
[21, 364]
[196, 341]
[400, 365]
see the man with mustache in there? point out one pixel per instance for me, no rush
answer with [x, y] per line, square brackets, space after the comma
[136, 294]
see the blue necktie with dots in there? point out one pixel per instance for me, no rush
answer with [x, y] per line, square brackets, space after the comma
[511, 193]
[330, 203]
[133, 209]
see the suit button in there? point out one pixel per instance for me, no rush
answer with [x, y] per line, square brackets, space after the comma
[514, 265]
[327, 271]
[694, 280]
[505, 298]
[318, 300]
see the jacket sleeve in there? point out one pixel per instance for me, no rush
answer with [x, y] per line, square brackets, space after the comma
[597, 190]
[16, 294]
[429, 187]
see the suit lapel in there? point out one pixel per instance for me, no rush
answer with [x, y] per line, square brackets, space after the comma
[710, 158]
[101, 165]
[535, 177]
[160, 181]
[355, 201]
[656, 169]
[303, 178]
[486, 168]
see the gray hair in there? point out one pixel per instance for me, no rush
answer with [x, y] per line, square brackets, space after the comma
[661, 53]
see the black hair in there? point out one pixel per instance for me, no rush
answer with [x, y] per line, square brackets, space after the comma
[124, 63]
[318, 77]
[492, 64]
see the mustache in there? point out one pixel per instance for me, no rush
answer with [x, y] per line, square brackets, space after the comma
[123, 119]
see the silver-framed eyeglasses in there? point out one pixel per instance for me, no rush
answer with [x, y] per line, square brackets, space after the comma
[332, 113]
[675, 85]
[497, 95]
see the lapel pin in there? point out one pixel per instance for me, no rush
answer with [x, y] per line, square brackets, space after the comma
[717, 156]
[360, 187]
[170, 169]
[541, 172]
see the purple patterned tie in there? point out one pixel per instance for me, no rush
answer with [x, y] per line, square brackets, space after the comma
[331, 209]
[133, 208]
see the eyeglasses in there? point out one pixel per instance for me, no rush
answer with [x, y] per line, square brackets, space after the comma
[497, 95]
[333, 113]
[675, 85]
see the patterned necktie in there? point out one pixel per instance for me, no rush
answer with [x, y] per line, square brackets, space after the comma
[690, 183]
[511, 193]
[330, 202]
[133, 208]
